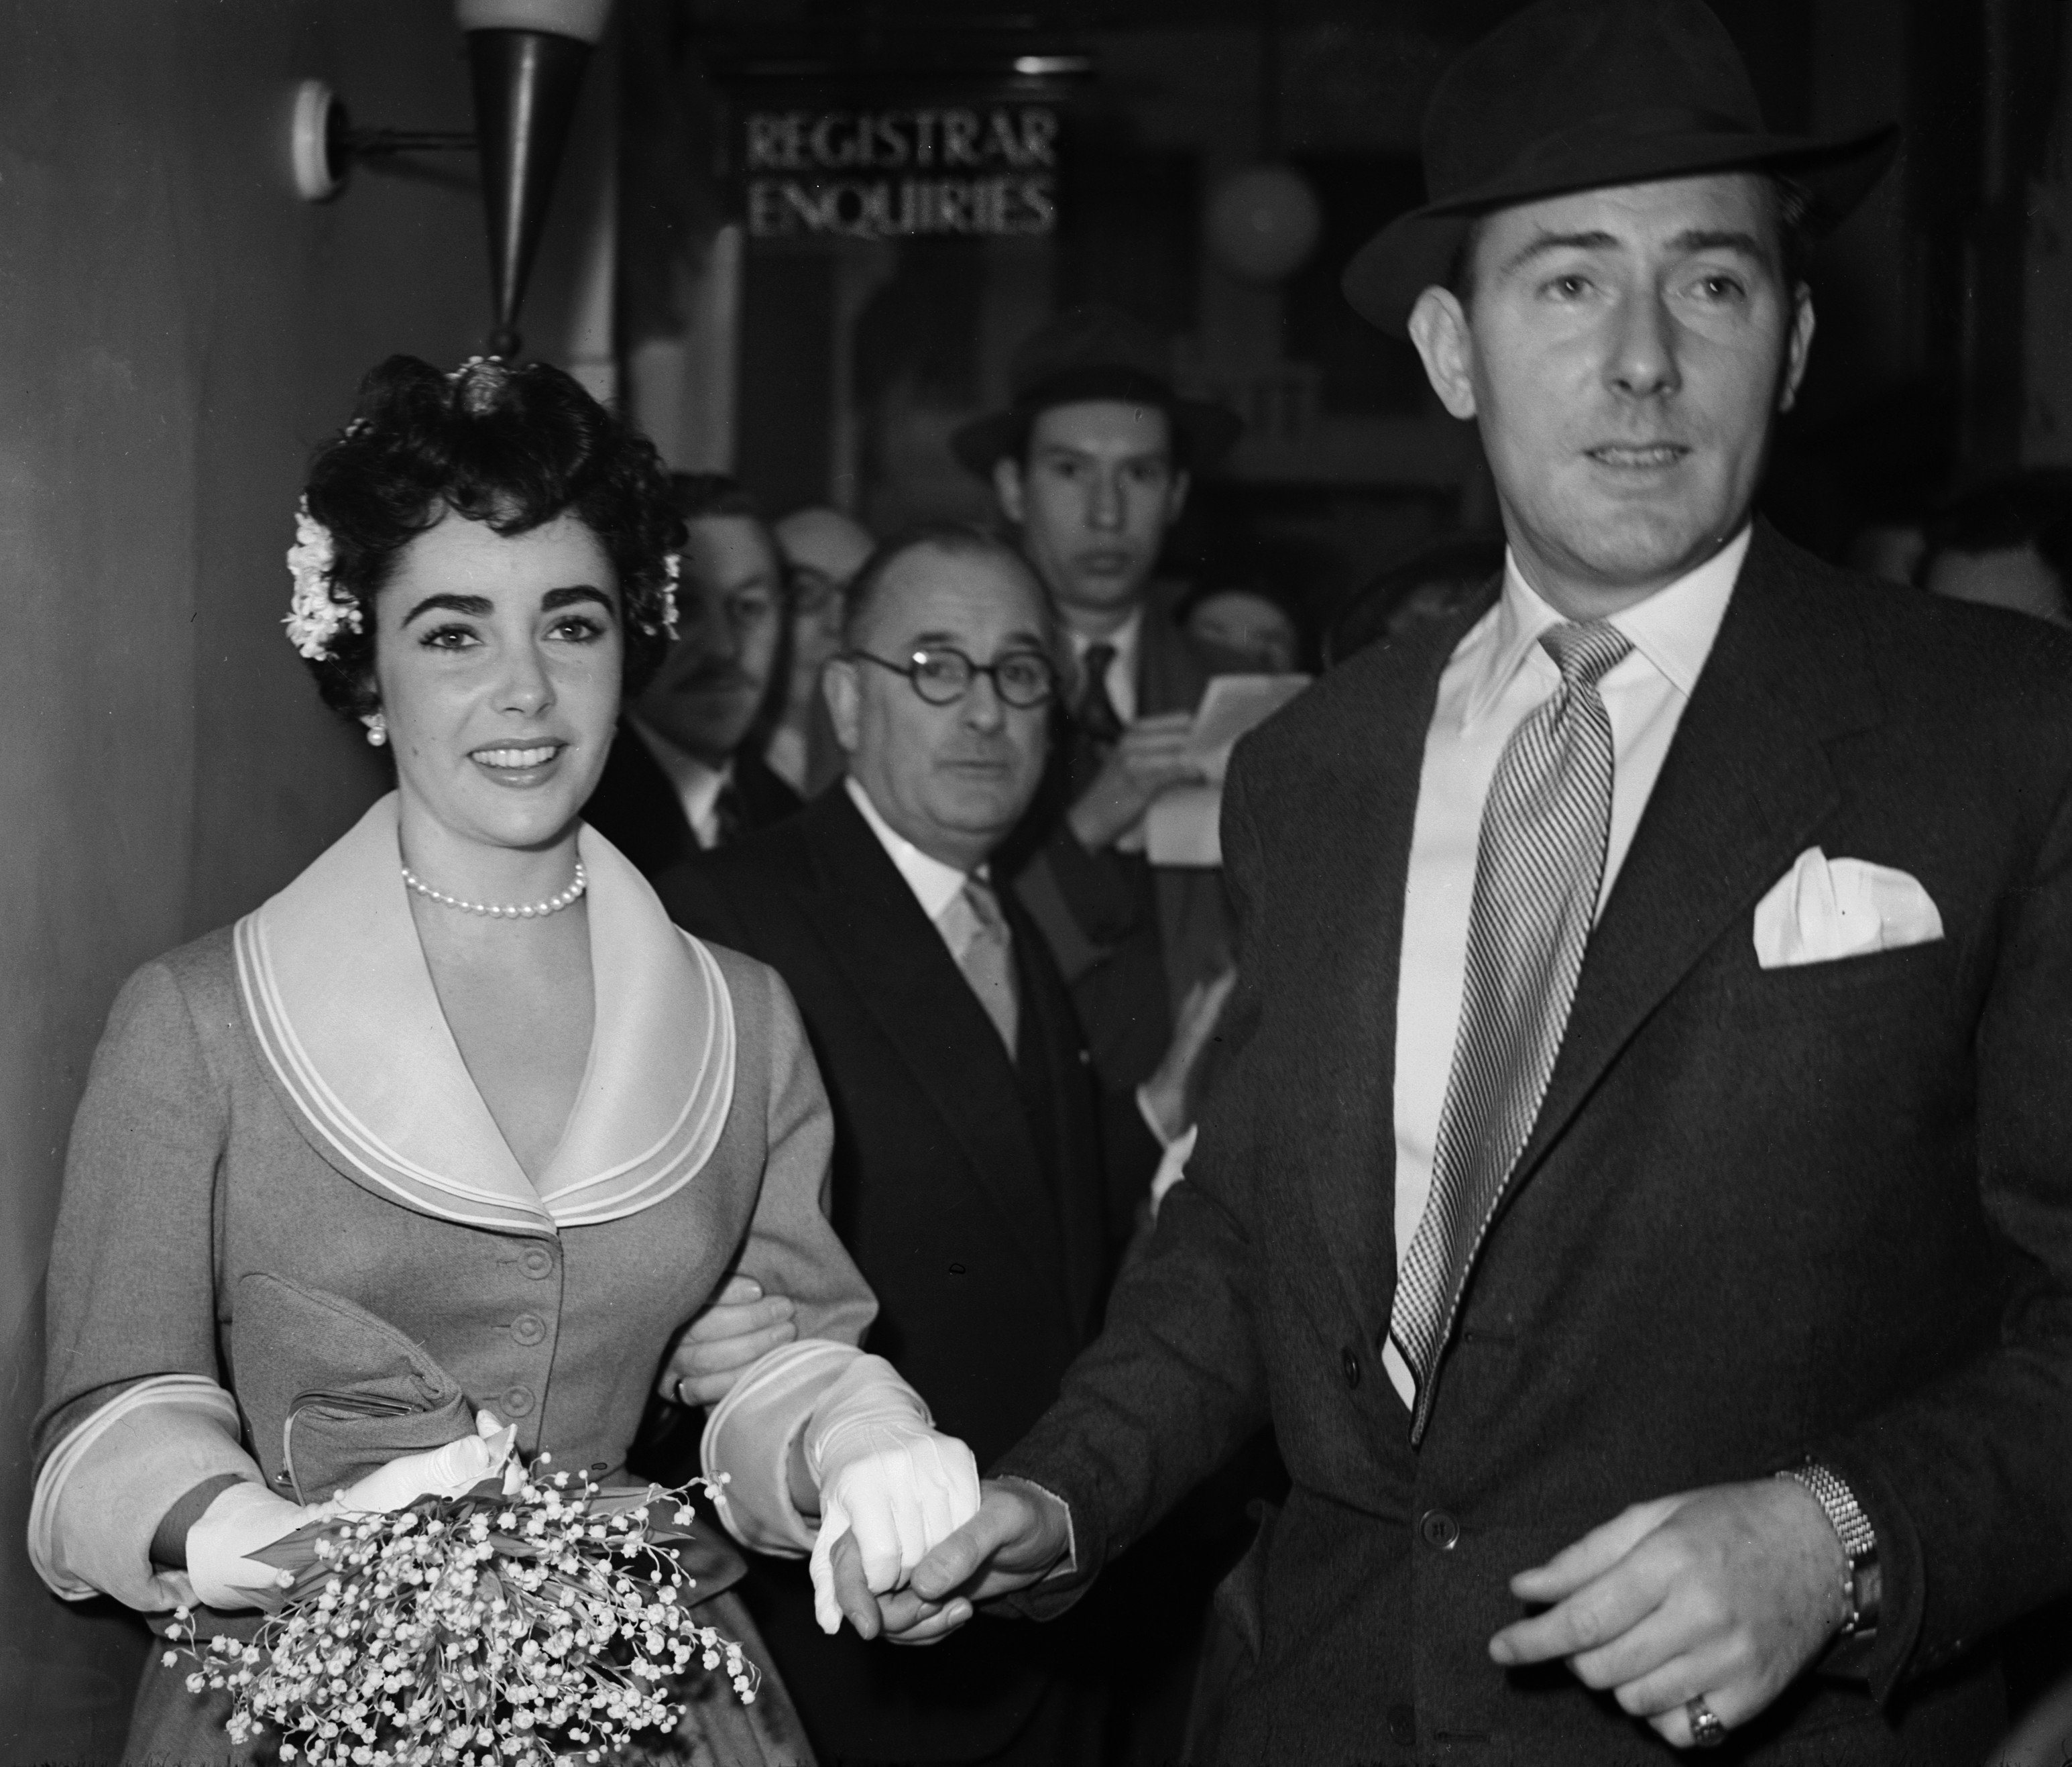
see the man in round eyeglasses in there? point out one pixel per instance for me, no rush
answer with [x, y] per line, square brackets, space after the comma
[967, 1172]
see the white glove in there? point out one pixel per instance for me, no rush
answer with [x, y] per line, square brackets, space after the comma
[439, 1472]
[886, 1475]
[246, 1517]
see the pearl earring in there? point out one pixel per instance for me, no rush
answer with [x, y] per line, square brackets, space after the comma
[377, 728]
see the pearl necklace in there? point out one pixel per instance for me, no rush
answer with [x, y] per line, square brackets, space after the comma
[531, 910]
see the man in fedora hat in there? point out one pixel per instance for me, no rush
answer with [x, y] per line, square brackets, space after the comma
[1090, 463]
[1641, 1191]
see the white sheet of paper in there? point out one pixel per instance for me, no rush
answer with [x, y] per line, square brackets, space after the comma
[1184, 826]
[1233, 706]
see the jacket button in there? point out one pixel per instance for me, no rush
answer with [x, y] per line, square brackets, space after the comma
[529, 1328]
[1441, 1532]
[1349, 1363]
[518, 1401]
[1402, 1726]
[537, 1263]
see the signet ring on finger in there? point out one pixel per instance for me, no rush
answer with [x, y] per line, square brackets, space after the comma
[1707, 1732]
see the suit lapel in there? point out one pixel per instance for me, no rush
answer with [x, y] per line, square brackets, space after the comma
[636, 808]
[1051, 1069]
[764, 797]
[1170, 676]
[1746, 787]
[1371, 794]
[910, 985]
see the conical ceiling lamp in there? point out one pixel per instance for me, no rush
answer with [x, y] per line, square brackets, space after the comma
[527, 58]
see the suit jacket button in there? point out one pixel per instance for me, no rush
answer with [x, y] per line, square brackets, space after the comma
[537, 1263]
[1349, 1362]
[1402, 1726]
[1441, 1532]
[517, 1402]
[529, 1329]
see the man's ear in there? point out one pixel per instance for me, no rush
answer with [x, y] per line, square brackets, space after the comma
[1007, 488]
[840, 688]
[1176, 488]
[1439, 328]
[1798, 347]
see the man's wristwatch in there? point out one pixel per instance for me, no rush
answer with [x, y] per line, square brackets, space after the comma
[1861, 1582]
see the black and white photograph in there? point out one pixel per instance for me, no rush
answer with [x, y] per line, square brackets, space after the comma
[1036, 883]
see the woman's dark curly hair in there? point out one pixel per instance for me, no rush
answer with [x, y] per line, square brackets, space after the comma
[515, 447]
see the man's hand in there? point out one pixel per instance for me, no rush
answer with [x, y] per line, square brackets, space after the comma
[736, 1329]
[1727, 1593]
[1147, 761]
[1018, 1536]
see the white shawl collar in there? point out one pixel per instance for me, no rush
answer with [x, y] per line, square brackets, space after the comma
[339, 995]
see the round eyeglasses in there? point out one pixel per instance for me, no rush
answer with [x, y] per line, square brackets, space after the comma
[942, 674]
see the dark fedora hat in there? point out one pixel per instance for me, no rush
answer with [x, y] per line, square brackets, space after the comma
[1573, 95]
[1094, 352]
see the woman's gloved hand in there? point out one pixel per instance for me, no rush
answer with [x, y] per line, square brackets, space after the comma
[886, 1475]
[246, 1517]
[439, 1472]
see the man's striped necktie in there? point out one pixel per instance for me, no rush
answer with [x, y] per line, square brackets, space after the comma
[1538, 870]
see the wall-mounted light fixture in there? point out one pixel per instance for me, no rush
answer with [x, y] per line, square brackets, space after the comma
[527, 58]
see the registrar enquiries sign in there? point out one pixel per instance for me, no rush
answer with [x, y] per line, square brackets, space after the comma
[910, 171]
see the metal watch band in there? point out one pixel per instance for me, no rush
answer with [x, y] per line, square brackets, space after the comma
[1853, 1529]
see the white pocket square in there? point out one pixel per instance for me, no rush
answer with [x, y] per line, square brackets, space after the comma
[1824, 908]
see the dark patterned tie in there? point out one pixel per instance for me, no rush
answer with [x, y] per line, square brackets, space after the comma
[1538, 869]
[977, 934]
[729, 824]
[1095, 714]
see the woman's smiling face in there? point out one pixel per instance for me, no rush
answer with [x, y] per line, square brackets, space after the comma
[497, 659]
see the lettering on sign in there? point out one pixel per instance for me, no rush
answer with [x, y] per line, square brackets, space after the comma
[897, 173]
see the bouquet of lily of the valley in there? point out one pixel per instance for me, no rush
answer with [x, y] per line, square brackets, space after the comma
[531, 1620]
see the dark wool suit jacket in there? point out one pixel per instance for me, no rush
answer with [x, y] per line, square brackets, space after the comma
[967, 1188]
[1823, 1209]
[1130, 937]
[637, 810]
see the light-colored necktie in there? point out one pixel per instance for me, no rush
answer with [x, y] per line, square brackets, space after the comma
[975, 931]
[1538, 870]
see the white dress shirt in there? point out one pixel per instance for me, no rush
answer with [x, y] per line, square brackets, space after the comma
[935, 884]
[1498, 675]
[1127, 641]
[697, 783]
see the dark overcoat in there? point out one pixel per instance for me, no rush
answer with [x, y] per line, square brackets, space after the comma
[1130, 937]
[637, 810]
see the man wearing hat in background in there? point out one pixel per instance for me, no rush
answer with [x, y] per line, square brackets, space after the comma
[1641, 1191]
[1091, 464]
[687, 772]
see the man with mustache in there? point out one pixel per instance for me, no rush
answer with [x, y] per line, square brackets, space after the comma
[1091, 464]
[686, 775]
[1640, 1187]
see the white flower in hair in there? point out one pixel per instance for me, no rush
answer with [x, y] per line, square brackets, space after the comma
[672, 567]
[315, 615]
